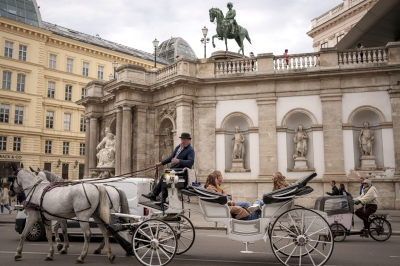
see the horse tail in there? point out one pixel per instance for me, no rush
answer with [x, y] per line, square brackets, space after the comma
[124, 203]
[103, 207]
[248, 37]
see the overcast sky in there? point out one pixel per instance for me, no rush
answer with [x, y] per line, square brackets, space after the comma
[273, 25]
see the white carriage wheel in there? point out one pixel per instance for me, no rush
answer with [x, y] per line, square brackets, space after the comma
[338, 232]
[301, 236]
[154, 243]
[185, 233]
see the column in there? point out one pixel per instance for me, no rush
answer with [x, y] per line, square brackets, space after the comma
[87, 146]
[267, 136]
[118, 141]
[94, 128]
[140, 147]
[184, 117]
[395, 104]
[126, 144]
[333, 136]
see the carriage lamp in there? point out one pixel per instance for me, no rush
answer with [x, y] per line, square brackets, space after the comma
[205, 40]
[58, 163]
[155, 44]
[76, 163]
[115, 65]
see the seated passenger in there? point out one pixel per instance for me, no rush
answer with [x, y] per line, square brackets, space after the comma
[240, 210]
[279, 182]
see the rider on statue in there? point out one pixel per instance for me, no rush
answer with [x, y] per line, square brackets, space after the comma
[230, 16]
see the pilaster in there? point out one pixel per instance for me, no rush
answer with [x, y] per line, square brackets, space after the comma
[87, 146]
[395, 105]
[118, 141]
[184, 116]
[139, 139]
[94, 129]
[126, 144]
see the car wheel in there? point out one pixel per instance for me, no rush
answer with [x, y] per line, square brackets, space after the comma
[37, 232]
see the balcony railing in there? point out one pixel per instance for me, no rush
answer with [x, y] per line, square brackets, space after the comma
[298, 61]
[366, 56]
[236, 66]
[167, 72]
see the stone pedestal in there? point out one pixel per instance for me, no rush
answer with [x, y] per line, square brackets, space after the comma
[368, 163]
[102, 172]
[238, 166]
[300, 163]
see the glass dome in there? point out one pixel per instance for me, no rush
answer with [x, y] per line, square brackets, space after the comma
[25, 11]
[176, 46]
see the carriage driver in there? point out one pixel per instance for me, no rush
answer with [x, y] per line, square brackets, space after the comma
[230, 16]
[183, 156]
[370, 199]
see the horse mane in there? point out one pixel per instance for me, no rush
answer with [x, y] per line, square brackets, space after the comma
[31, 174]
[219, 10]
[51, 177]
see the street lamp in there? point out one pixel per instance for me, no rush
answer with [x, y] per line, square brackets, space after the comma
[58, 163]
[155, 44]
[115, 65]
[205, 40]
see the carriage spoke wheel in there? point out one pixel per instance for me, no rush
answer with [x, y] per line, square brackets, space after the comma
[380, 229]
[185, 233]
[338, 232]
[301, 236]
[154, 243]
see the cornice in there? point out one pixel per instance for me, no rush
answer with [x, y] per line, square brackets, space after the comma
[23, 29]
[14, 98]
[12, 68]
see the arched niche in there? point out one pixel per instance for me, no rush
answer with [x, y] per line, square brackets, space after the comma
[166, 138]
[374, 117]
[229, 124]
[292, 122]
[299, 113]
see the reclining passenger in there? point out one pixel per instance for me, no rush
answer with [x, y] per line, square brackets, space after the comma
[240, 210]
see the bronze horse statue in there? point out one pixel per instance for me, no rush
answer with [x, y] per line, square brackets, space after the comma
[224, 31]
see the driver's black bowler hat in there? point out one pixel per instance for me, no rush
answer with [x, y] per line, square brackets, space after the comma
[185, 136]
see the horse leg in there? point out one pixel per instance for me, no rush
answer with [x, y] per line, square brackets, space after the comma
[216, 35]
[98, 250]
[106, 238]
[64, 249]
[57, 236]
[31, 219]
[87, 234]
[49, 236]
[226, 43]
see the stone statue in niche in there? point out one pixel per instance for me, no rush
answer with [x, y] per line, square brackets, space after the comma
[366, 139]
[300, 139]
[238, 144]
[106, 150]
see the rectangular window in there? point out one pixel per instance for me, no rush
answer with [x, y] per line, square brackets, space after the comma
[85, 69]
[22, 52]
[82, 149]
[8, 49]
[340, 37]
[68, 92]
[100, 72]
[70, 65]
[47, 146]
[17, 144]
[51, 89]
[49, 119]
[66, 148]
[19, 115]
[324, 45]
[21, 82]
[47, 166]
[3, 143]
[4, 113]
[6, 80]
[83, 124]
[52, 61]
[83, 93]
[67, 122]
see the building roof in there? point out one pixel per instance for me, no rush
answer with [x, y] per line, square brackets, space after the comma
[96, 40]
[173, 47]
[25, 11]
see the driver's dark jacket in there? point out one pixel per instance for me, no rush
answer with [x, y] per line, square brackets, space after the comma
[186, 157]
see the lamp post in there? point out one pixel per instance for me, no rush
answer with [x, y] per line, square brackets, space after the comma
[155, 44]
[205, 40]
[115, 65]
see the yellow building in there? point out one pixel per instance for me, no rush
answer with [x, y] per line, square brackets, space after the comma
[44, 69]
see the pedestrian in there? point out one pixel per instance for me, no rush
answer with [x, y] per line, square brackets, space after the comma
[182, 156]
[251, 55]
[360, 48]
[361, 185]
[335, 190]
[4, 199]
[286, 57]
[342, 191]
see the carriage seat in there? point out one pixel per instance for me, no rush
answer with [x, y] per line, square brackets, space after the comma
[204, 194]
[297, 188]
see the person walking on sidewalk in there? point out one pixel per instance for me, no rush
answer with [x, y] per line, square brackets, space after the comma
[4, 199]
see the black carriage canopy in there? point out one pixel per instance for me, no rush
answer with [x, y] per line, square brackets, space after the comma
[334, 204]
[297, 188]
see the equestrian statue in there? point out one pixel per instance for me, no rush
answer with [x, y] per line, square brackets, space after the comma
[227, 28]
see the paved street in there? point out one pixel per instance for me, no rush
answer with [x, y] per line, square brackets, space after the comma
[210, 248]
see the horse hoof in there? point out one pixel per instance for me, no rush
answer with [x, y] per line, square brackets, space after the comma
[96, 251]
[17, 257]
[78, 261]
[112, 258]
[59, 247]
[48, 259]
[63, 252]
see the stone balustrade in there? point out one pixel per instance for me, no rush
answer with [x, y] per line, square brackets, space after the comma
[236, 66]
[296, 61]
[366, 56]
[167, 72]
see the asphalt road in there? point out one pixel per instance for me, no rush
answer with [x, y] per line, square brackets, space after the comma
[210, 248]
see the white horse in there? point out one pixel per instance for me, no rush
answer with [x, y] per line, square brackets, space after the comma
[81, 200]
[117, 201]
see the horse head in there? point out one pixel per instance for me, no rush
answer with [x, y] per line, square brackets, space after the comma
[215, 13]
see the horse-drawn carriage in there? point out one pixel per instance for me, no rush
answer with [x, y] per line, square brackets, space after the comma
[297, 235]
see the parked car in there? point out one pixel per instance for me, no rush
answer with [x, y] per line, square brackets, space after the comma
[133, 187]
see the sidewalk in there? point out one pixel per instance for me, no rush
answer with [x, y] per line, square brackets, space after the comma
[200, 223]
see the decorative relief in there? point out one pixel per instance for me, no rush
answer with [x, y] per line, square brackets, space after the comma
[166, 110]
[331, 37]
[316, 44]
